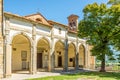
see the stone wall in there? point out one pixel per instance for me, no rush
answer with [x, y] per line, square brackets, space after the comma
[1, 41]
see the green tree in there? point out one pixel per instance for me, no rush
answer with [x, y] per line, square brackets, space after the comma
[114, 2]
[111, 58]
[116, 40]
[118, 58]
[99, 26]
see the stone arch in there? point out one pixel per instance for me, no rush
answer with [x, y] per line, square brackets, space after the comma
[59, 54]
[21, 33]
[43, 52]
[44, 39]
[21, 52]
[73, 45]
[59, 41]
[82, 56]
[71, 54]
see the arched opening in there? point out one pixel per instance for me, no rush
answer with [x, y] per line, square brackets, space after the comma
[21, 53]
[81, 57]
[59, 55]
[42, 54]
[71, 55]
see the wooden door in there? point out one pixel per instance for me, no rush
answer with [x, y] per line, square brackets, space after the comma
[59, 61]
[39, 60]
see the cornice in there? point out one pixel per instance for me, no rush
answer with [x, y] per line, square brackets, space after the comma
[43, 34]
[20, 29]
[6, 14]
[53, 22]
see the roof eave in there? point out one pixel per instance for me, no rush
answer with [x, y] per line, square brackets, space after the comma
[53, 22]
[23, 18]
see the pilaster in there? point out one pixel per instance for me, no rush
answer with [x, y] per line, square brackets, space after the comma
[1, 40]
[86, 57]
[7, 50]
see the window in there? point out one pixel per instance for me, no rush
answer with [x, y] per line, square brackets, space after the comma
[59, 30]
[74, 24]
[24, 54]
[70, 24]
[39, 19]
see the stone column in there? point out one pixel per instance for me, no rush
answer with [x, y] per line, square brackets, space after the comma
[7, 50]
[34, 50]
[51, 57]
[66, 53]
[76, 55]
[49, 61]
[1, 39]
[51, 54]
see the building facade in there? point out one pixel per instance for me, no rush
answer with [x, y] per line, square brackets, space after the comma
[32, 43]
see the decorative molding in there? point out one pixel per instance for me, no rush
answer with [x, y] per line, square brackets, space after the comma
[73, 40]
[20, 29]
[59, 37]
[43, 34]
[7, 26]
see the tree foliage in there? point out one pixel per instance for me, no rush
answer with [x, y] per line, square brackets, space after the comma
[114, 2]
[100, 26]
[112, 58]
[118, 58]
[116, 40]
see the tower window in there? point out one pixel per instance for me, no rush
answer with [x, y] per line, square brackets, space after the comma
[59, 30]
[70, 24]
[74, 24]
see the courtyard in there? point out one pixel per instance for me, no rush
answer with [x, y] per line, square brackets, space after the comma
[46, 47]
[70, 75]
[84, 76]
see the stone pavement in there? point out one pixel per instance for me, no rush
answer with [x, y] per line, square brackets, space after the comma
[26, 75]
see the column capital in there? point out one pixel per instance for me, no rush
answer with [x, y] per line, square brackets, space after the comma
[34, 30]
[7, 26]
[34, 25]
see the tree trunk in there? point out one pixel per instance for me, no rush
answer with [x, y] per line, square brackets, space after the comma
[103, 64]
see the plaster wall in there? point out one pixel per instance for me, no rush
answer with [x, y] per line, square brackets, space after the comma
[16, 56]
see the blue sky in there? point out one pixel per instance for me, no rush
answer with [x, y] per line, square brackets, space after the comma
[57, 10]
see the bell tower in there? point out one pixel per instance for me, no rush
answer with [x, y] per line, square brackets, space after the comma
[73, 22]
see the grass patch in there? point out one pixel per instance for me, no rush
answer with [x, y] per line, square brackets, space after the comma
[84, 76]
[116, 68]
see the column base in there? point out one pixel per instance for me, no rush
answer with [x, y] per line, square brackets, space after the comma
[77, 67]
[7, 75]
[33, 72]
[65, 69]
[49, 70]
